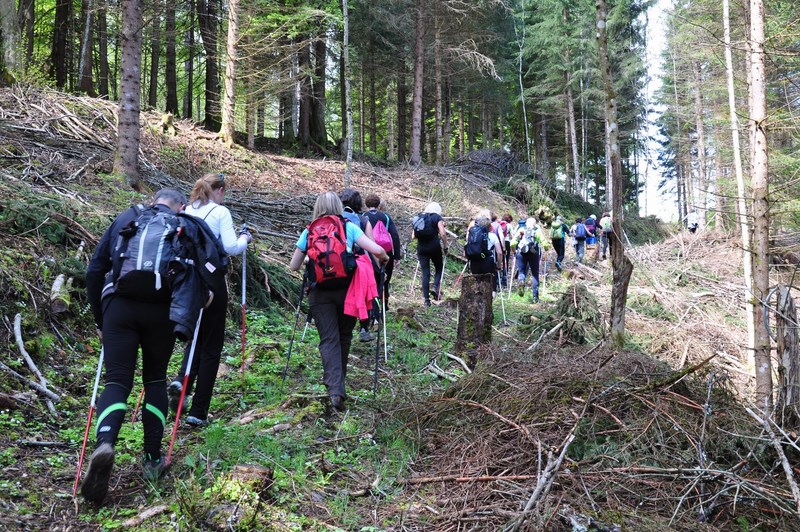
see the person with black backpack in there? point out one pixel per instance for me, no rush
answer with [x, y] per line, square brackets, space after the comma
[530, 243]
[483, 249]
[206, 200]
[328, 243]
[579, 233]
[428, 229]
[131, 307]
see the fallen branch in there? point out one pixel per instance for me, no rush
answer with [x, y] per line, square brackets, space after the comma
[460, 361]
[29, 361]
[776, 444]
[145, 515]
[546, 334]
[458, 478]
[35, 385]
[489, 411]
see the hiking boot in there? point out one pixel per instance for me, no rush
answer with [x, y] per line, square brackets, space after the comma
[197, 423]
[337, 401]
[365, 336]
[536, 298]
[427, 302]
[154, 469]
[95, 486]
[521, 290]
[174, 395]
[558, 265]
[435, 294]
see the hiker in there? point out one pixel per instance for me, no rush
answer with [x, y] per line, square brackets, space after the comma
[606, 233]
[508, 228]
[591, 234]
[205, 202]
[127, 317]
[692, 221]
[432, 241]
[326, 295]
[579, 233]
[558, 232]
[483, 249]
[531, 243]
[376, 213]
[353, 205]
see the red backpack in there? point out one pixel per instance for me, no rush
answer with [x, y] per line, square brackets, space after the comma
[330, 264]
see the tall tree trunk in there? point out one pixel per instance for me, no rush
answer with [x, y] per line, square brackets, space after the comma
[520, 34]
[759, 175]
[27, 14]
[342, 95]
[126, 160]
[102, 55]
[318, 132]
[261, 115]
[402, 111]
[573, 134]
[461, 128]
[171, 66]
[85, 66]
[621, 264]
[702, 172]
[304, 65]
[719, 185]
[448, 117]
[373, 115]
[155, 54]
[58, 54]
[349, 109]
[188, 65]
[741, 190]
[362, 143]
[437, 55]
[415, 155]
[227, 131]
[542, 157]
[9, 32]
[391, 146]
[207, 14]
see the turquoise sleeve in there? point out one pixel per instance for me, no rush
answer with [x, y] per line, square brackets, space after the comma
[302, 242]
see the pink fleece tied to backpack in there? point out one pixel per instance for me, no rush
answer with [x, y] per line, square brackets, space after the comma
[363, 289]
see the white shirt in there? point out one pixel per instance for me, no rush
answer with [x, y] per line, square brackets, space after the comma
[220, 222]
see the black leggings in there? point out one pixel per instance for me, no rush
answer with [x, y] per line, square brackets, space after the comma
[128, 324]
[207, 353]
[425, 259]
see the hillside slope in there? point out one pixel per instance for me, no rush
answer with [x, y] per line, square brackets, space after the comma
[651, 437]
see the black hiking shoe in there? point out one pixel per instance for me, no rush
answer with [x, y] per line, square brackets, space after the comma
[95, 486]
[337, 401]
[174, 395]
[197, 423]
[154, 469]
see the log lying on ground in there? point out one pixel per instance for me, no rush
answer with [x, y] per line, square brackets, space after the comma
[42, 385]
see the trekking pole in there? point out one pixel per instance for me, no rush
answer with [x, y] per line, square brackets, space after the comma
[88, 422]
[413, 279]
[305, 328]
[441, 280]
[244, 302]
[185, 385]
[511, 275]
[461, 275]
[378, 340]
[294, 329]
[383, 313]
[502, 301]
[136, 410]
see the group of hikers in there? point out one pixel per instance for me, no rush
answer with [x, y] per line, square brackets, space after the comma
[158, 273]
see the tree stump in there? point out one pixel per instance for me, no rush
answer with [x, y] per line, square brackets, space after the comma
[475, 315]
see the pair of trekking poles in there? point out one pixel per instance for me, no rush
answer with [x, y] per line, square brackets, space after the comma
[382, 303]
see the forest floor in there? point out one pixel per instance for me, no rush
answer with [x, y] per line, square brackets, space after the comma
[552, 430]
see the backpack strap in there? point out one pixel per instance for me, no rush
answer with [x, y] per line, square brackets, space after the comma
[209, 210]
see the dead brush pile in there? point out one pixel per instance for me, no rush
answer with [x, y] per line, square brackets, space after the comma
[596, 439]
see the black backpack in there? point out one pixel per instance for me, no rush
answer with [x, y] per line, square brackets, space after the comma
[477, 247]
[200, 247]
[423, 225]
[142, 255]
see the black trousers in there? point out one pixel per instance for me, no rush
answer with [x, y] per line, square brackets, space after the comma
[426, 257]
[207, 354]
[128, 325]
[335, 336]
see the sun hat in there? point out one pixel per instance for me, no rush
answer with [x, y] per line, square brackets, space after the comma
[433, 208]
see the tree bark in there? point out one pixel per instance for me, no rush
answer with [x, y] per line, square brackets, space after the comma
[304, 127]
[26, 21]
[85, 66]
[227, 131]
[759, 175]
[318, 131]
[415, 155]
[348, 98]
[741, 190]
[102, 55]
[9, 31]
[621, 264]
[373, 116]
[702, 177]
[126, 161]
[448, 116]
[171, 62]
[207, 14]
[188, 65]
[789, 369]
[155, 55]
[475, 314]
[58, 54]
[402, 111]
